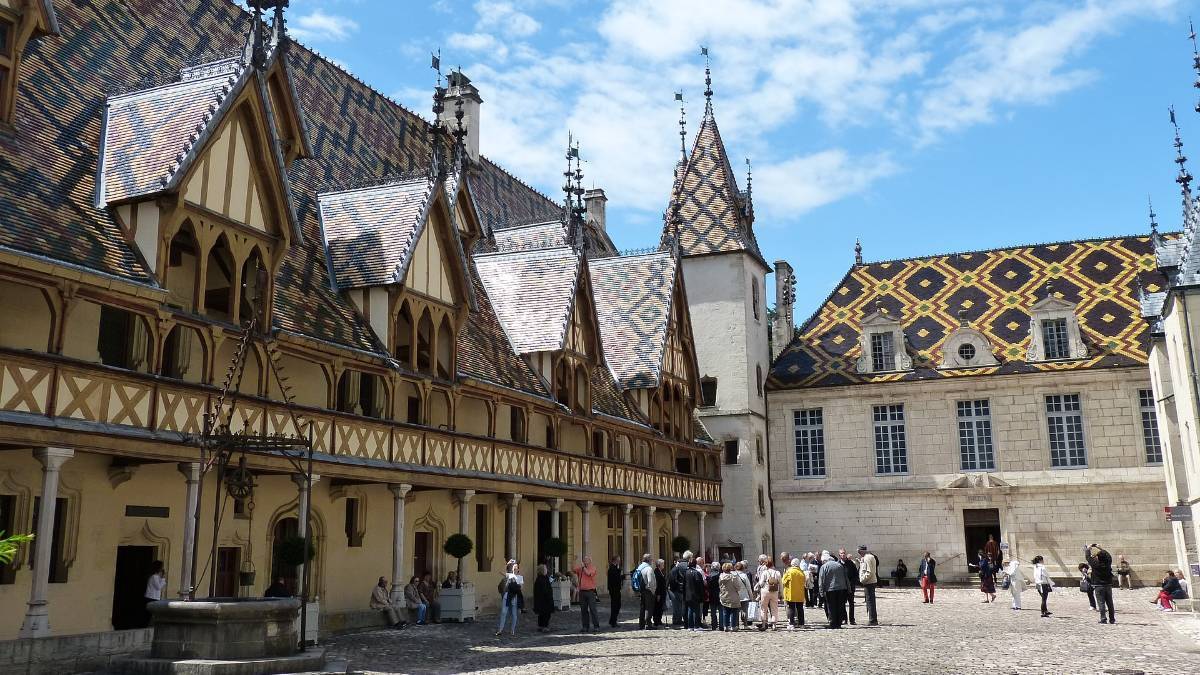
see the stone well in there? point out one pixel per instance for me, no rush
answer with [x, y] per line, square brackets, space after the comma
[224, 628]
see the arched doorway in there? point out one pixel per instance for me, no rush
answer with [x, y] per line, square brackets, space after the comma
[285, 529]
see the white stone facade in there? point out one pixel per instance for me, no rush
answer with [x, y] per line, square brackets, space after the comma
[1115, 500]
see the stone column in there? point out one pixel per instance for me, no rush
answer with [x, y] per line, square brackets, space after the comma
[464, 497]
[555, 531]
[700, 516]
[399, 493]
[627, 543]
[586, 507]
[651, 536]
[510, 548]
[302, 523]
[37, 617]
[191, 502]
[675, 523]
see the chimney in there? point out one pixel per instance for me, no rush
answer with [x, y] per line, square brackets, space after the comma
[594, 200]
[459, 85]
[785, 299]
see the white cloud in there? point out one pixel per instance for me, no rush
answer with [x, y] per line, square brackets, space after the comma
[478, 42]
[800, 184]
[503, 17]
[318, 26]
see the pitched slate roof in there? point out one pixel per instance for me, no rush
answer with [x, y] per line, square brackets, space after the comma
[532, 293]
[714, 213]
[504, 200]
[607, 399]
[370, 232]
[633, 303]
[995, 290]
[484, 351]
[550, 234]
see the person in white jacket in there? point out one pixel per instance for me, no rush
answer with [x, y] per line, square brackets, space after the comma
[1043, 582]
[1016, 581]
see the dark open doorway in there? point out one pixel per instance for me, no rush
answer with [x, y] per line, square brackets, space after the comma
[129, 587]
[422, 554]
[286, 528]
[543, 533]
[228, 563]
[977, 525]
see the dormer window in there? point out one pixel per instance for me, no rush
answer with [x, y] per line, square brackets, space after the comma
[883, 353]
[967, 348]
[19, 23]
[1054, 333]
[882, 343]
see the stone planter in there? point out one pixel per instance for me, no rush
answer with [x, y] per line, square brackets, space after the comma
[458, 604]
[562, 594]
[225, 628]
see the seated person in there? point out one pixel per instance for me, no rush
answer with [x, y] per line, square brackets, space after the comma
[1171, 590]
[414, 601]
[380, 602]
[277, 590]
[900, 572]
[451, 580]
[430, 591]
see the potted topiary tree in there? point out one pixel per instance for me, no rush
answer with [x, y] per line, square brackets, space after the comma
[555, 549]
[680, 544]
[458, 604]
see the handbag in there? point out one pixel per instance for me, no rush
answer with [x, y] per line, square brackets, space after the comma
[1007, 583]
[752, 611]
[1085, 586]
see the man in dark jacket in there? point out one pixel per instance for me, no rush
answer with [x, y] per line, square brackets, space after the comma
[675, 582]
[693, 595]
[615, 580]
[660, 591]
[712, 602]
[1101, 576]
[833, 582]
[851, 566]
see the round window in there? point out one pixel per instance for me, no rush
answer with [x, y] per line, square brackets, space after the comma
[966, 351]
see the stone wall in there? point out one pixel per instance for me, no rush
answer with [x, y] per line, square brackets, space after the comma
[89, 652]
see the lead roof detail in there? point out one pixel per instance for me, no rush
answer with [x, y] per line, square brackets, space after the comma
[993, 290]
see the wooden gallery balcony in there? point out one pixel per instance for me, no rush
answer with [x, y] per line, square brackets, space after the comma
[50, 400]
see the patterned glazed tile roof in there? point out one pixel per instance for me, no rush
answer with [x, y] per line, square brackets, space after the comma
[714, 213]
[484, 352]
[994, 289]
[532, 293]
[370, 232]
[633, 303]
[550, 234]
[607, 398]
[504, 200]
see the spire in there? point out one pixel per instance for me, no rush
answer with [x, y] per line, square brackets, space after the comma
[857, 252]
[436, 169]
[682, 128]
[568, 190]
[1184, 178]
[278, 25]
[707, 81]
[1155, 237]
[749, 189]
[1195, 59]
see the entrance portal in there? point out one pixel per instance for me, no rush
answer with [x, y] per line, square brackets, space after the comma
[977, 525]
[129, 587]
[422, 554]
[228, 566]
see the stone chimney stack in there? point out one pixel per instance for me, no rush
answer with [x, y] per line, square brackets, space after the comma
[785, 300]
[459, 85]
[594, 200]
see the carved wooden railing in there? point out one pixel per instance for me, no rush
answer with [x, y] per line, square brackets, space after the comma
[56, 387]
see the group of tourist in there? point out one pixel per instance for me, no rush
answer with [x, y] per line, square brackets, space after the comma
[420, 599]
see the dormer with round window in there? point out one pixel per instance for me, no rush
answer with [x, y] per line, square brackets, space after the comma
[967, 348]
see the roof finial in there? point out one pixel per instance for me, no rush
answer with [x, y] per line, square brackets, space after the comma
[707, 80]
[857, 252]
[1184, 178]
[962, 318]
[568, 204]
[1049, 288]
[258, 28]
[682, 128]
[1195, 59]
[579, 206]
[435, 129]
[749, 188]
[279, 25]
[435, 62]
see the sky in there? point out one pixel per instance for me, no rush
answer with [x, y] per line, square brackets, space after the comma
[919, 126]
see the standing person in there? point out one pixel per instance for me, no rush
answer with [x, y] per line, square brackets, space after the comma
[712, 595]
[543, 598]
[513, 598]
[927, 575]
[155, 583]
[1124, 574]
[1100, 563]
[1041, 579]
[660, 591]
[834, 585]
[868, 576]
[1016, 582]
[851, 578]
[743, 593]
[987, 578]
[693, 595]
[820, 590]
[900, 572]
[785, 560]
[646, 587]
[770, 582]
[675, 582]
[730, 593]
[992, 550]
[586, 573]
[430, 591]
[1085, 584]
[415, 602]
[794, 593]
[615, 581]
[811, 572]
[380, 602]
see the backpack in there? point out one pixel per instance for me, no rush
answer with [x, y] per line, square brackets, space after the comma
[773, 583]
[635, 580]
[502, 586]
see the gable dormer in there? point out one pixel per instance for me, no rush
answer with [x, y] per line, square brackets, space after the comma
[881, 342]
[20, 20]
[1054, 333]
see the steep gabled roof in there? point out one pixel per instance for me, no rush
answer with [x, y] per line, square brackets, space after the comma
[994, 290]
[532, 293]
[504, 200]
[633, 300]
[550, 234]
[485, 353]
[714, 214]
[370, 232]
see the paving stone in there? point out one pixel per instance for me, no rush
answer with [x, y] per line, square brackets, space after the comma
[957, 634]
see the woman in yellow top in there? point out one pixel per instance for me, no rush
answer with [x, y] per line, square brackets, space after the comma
[793, 594]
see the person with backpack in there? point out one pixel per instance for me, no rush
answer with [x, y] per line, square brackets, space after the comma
[730, 592]
[644, 585]
[769, 584]
[868, 577]
[513, 598]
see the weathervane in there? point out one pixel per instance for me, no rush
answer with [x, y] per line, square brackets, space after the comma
[436, 64]
[707, 79]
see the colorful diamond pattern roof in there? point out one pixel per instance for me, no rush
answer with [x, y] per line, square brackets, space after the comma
[370, 232]
[994, 291]
[532, 293]
[633, 303]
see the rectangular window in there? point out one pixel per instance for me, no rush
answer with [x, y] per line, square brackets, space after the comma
[891, 449]
[1065, 423]
[353, 540]
[683, 464]
[414, 410]
[516, 422]
[1154, 453]
[1055, 343]
[810, 443]
[483, 540]
[708, 391]
[762, 503]
[6, 39]
[883, 354]
[975, 436]
[754, 296]
[731, 452]
[758, 449]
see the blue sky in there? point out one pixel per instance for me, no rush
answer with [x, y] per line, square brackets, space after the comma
[921, 126]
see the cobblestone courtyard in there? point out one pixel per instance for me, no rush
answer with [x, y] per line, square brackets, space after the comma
[958, 634]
